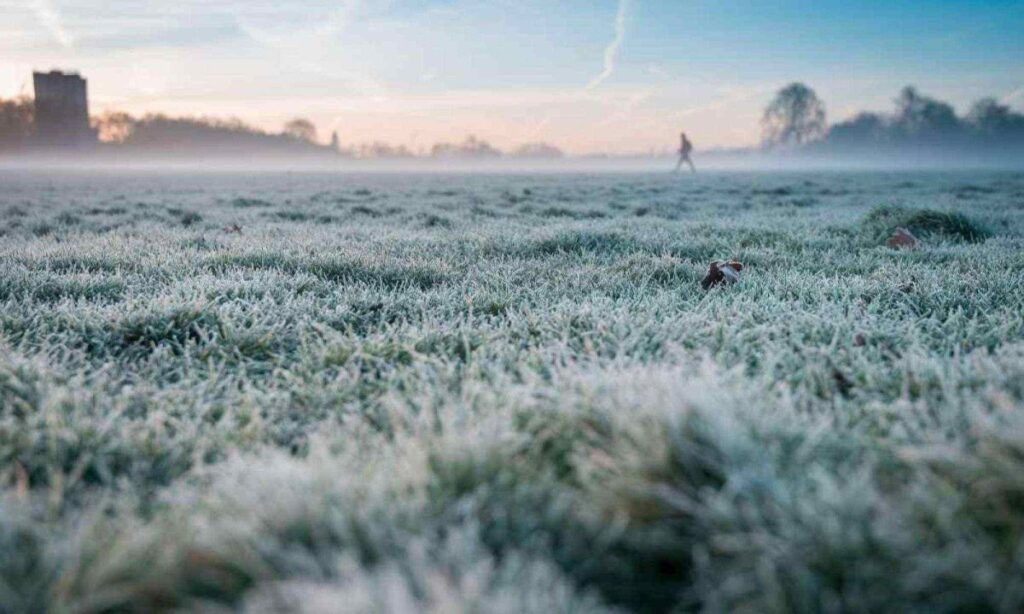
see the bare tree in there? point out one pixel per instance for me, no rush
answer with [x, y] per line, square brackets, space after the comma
[795, 116]
[301, 129]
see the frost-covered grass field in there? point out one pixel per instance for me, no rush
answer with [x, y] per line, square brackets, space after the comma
[508, 393]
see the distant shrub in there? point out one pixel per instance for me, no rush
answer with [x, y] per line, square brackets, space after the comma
[882, 221]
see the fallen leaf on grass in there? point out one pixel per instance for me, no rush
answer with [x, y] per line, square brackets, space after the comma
[721, 272]
[901, 238]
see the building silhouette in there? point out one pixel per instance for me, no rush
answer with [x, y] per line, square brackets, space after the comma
[62, 110]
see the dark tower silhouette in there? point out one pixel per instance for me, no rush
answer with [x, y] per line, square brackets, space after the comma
[62, 110]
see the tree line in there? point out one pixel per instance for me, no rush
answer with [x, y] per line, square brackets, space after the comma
[159, 133]
[796, 119]
[156, 131]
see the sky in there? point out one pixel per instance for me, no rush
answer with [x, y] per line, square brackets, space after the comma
[589, 76]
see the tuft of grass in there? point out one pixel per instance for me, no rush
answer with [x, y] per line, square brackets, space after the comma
[171, 328]
[880, 223]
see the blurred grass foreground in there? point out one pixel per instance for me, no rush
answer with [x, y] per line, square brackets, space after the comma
[498, 393]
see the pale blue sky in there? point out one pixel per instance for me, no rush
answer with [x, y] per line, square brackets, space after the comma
[590, 76]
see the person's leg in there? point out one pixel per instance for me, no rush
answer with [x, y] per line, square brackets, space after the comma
[690, 162]
[679, 164]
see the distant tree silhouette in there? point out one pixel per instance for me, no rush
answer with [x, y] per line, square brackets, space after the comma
[924, 119]
[380, 150]
[301, 129]
[17, 116]
[538, 150]
[472, 147]
[992, 119]
[794, 117]
[921, 123]
[156, 133]
[864, 130]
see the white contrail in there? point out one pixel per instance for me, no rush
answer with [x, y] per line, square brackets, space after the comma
[1014, 95]
[50, 19]
[612, 50]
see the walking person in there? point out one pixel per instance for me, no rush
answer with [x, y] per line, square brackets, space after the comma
[685, 147]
